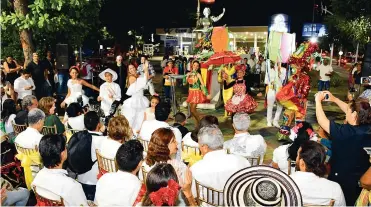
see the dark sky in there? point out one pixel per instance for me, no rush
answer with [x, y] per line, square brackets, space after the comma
[120, 15]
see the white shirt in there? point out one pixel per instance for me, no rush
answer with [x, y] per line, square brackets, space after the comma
[90, 177]
[117, 189]
[245, 145]
[272, 76]
[19, 85]
[109, 147]
[77, 122]
[188, 141]
[107, 89]
[252, 63]
[280, 156]
[54, 183]
[216, 168]
[148, 127]
[318, 191]
[323, 70]
[8, 124]
[29, 138]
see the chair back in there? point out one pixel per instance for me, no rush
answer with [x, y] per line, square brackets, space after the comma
[26, 151]
[42, 201]
[144, 173]
[18, 128]
[70, 132]
[188, 149]
[254, 161]
[332, 203]
[105, 164]
[290, 164]
[49, 130]
[145, 144]
[208, 195]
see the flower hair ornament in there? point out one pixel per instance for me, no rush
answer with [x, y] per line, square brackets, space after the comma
[166, 195]
[295, 130]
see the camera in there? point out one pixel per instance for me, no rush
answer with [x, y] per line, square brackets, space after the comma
[366, 80]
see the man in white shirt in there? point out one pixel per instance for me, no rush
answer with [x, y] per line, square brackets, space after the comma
[124, 182]
[325, 73]
[314, 188]
[243, 143]
[52, 181]
[162, 112]
[24, 85]
[31, 137]
[252, 63]
[89, 179]
[216, 166]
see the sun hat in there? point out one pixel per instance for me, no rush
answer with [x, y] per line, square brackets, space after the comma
[108, 70]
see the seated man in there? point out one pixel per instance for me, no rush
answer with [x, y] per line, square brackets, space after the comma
[52, 182]
[31, 137]
[162, 112]
[310, 169]
[180, 121]
[28, 102]
[124, 182]
[216, 166]
[243, 143]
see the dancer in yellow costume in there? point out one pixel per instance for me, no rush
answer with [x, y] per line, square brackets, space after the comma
[228, 72]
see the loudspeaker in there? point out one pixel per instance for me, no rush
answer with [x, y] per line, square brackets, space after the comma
[366, 69]
[62, 56]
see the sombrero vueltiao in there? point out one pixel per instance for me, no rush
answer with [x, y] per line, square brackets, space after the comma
[261, 186]
[108, 70]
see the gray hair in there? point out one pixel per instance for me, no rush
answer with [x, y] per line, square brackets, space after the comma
[27, 101]
[211, 136]
[241, 121]
[34, 116]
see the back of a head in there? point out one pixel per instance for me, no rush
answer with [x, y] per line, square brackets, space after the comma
[211, 136]
[129, 155]
[158, 150]
[51, 146]
[241, 121]
[303, 135]
[314, 156]
[180, 117]
[91, 120]
[27, 101]
[74, 109]
[162, 111]
[208, 120]
[363, 110]
[119, 129]
[34, 116]
[8, 109]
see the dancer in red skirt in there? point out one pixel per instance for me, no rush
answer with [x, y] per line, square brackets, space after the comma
[197, 90]
[240, 101]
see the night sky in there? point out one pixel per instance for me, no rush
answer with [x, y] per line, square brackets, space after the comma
[121, 15]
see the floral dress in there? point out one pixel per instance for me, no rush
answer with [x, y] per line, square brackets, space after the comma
[240, 101]
[197, 93]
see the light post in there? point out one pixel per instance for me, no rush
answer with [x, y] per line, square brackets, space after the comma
[340, 54]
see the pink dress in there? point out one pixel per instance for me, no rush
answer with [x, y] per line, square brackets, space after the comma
[240, 101]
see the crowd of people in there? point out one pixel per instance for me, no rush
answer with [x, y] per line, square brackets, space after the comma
[158, 160]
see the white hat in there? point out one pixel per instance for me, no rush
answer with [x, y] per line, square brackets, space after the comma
[108, 70]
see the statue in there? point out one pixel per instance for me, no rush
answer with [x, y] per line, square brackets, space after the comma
[207, 21]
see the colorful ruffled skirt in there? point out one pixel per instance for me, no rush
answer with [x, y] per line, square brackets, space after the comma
[244, 103]
[195, 96]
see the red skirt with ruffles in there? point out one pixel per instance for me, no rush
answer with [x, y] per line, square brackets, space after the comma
[247, 105]
[195, 96]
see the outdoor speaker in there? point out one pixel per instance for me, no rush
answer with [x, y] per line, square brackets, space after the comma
[62, 56]
[366, 69]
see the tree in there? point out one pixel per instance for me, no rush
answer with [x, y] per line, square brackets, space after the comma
[50, 21]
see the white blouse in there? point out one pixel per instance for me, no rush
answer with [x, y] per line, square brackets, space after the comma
[280, 156]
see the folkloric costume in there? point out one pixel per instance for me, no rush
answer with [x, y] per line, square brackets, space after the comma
[227, 93]
[197, 93]
[240, 101]
[109, 89]
[293, 96]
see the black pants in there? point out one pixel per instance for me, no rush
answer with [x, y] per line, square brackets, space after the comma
[89, 191]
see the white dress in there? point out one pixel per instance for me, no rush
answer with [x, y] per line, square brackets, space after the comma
[105, 90]
[150, 115]
[135, 106]
[75, 92]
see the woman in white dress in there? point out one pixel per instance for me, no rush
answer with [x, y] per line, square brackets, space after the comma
[150, 111]
[134, 107]
[75, 91]
[109, 91]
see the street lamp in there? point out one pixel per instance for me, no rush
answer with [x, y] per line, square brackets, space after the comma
[313, 40]
[340, 54]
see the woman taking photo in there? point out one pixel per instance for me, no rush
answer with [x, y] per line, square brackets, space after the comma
[47, 105]
[349, 161]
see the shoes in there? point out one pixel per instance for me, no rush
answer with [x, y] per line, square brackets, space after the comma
[275, 123]
[269, 124]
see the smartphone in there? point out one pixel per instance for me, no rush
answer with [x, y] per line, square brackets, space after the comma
[327, 97]
[368, 150]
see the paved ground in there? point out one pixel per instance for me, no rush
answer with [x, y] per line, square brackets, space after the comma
[258, 119]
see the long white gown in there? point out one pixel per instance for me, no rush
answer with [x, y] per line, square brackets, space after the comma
[75, 92]
[135, 106]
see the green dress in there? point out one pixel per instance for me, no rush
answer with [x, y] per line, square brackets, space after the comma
[52, 120]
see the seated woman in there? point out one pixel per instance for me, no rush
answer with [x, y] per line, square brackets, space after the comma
[163, 187]
[75, 117]
[47, 105]
[8, 114]
[348, 161]
[163, 148]
[119, 131]
[299, 134]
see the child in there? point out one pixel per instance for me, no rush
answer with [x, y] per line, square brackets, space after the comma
[180, 121]
[150, 111]
[109, 91]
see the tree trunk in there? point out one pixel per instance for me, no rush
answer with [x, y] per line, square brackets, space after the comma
[20, 6]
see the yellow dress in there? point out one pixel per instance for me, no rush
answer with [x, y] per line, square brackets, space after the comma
[228, 93]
